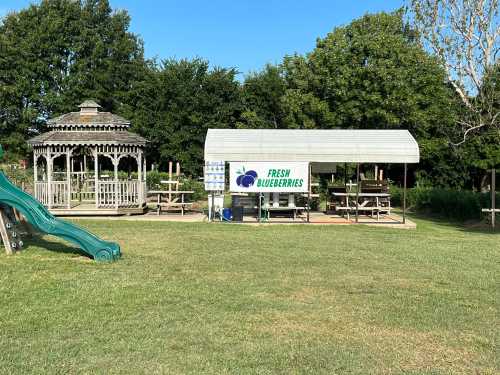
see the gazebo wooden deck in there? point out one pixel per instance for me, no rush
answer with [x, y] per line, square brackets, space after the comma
[66, 183]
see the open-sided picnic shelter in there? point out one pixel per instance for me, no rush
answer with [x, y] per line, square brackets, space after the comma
[272, 161]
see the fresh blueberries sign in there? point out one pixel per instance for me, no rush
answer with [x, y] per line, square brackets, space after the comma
[286, 177]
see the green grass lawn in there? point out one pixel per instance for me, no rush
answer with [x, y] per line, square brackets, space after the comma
[236, 299]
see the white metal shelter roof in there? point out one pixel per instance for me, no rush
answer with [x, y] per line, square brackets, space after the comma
[336, 145]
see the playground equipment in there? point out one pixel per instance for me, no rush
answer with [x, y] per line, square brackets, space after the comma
[12, 198]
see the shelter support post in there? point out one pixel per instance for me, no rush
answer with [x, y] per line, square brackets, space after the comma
[260, 208]
[212, 209]
[357, 192]
[309, 194]
[404, 193]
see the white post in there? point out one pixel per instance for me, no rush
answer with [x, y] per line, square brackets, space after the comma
[49, 180]
[115, 165]
[68, 176]
[35, 168]
[96, 178]
[139, 178]
[144, 179]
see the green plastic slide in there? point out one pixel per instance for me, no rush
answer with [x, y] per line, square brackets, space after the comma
[41, 219]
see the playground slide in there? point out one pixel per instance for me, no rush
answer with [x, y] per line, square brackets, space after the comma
[40, 218]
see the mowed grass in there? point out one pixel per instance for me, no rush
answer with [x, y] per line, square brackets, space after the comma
[238, 299]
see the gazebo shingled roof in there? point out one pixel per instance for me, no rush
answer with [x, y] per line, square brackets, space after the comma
[88, 138]
[77, 118]
[88, 127]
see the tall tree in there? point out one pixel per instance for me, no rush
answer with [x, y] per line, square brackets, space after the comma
[261, 96]
[465, 36]
[56, 54]
[373, 74]
[176, 104]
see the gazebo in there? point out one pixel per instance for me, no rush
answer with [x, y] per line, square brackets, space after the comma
[89, 164]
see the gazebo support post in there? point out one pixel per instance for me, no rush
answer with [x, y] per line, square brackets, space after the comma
[404, 193]
[35, 169]
[68, 176]
[139, 178]
[96, 177]
[115, 167]
[49, 180]
[357, 192]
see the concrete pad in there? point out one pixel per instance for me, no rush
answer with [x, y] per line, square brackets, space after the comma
[316, 218]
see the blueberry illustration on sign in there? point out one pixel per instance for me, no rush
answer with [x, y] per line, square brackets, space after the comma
[246, 178]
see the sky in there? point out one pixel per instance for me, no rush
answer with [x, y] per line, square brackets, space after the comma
[244, 34]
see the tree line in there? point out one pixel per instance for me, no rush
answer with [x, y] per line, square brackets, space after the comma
[373, 73]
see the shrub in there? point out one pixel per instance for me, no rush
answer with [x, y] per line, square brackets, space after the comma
[453, 204]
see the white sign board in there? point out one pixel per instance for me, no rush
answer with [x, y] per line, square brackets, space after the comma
[256, 177]
[214, 175]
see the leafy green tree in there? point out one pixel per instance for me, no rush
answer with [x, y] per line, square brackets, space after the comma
[56, 54]
[373, 74]
[261, 95]
[176, 104]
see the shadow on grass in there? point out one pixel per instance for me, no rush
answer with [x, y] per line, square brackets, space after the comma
[54, 246]
[472, 226]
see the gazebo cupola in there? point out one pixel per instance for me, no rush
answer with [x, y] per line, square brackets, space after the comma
[89, 163]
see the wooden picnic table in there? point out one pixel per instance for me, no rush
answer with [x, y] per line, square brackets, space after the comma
[175, 199]
[369, 202]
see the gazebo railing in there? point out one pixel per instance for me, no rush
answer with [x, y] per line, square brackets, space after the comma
[59, 192]
[42, 192]
[112, 194]
[82, 189]
[122, 193]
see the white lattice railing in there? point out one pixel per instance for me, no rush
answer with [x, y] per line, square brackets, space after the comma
[120, 193]
[42, 192]
[112, 194]
[59, 193]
